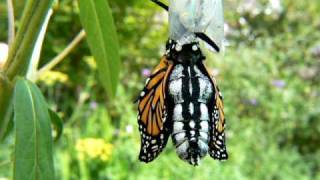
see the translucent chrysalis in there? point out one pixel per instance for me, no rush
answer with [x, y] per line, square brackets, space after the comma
[187, 17]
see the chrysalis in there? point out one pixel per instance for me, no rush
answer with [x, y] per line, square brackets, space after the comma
[187, 17]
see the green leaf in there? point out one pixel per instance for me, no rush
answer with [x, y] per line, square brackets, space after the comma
[57, 123]
[98, 23]
[33, 142]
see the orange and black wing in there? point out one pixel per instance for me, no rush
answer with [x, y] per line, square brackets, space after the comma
[152, 112]
[217, 144]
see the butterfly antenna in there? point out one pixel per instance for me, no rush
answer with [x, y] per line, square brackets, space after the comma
[161, 4]
[206, 39]
[202, 36]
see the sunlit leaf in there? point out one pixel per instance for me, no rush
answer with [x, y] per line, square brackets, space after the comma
[33, 142]
[98, 23]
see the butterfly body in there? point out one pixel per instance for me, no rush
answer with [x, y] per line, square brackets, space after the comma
[190, 94]
[181, 98]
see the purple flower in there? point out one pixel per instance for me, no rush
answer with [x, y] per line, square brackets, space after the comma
[93, 105]
[146, 72]
[253, 101]
[279, 83]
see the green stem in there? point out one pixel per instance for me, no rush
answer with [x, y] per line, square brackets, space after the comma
[27, 12]
[18, 60]
[20, 54]
[5, 103]
[62, 55]
[11, 30]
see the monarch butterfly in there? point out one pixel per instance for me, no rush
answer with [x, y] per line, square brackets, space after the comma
[182, 99]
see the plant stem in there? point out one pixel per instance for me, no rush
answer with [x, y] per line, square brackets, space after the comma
[20, 54]
[62, 55]
[27, 12]
[11, 22]
[6, 89]
[19, 59]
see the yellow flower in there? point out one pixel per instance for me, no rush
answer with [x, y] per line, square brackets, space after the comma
[52, 77]
[91, 62]
[93, 148]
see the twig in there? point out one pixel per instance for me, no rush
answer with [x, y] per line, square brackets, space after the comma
[63, 54]
[11, 22]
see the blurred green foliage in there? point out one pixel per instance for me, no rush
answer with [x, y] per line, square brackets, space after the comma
[269, 76]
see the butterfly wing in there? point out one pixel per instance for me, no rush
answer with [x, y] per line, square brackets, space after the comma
[152, 113]
[217, 144]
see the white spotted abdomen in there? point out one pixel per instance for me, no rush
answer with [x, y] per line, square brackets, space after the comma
[190, 92]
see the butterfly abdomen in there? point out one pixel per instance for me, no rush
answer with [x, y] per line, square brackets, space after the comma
[190, 92]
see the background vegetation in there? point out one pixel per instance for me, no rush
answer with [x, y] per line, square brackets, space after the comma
[269, 76]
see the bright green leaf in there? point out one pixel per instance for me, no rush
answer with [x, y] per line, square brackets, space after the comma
[57, 123]
[98, 23]
[33, 142]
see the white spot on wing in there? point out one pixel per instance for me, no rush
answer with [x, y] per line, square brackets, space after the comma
[147, 81]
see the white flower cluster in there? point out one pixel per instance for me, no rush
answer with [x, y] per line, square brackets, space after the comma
[273, 8]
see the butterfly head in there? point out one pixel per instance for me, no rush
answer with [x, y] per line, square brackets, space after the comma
[186, 53]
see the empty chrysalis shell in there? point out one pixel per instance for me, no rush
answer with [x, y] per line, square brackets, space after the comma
[187, 17]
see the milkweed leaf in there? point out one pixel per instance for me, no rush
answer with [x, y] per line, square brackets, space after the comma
[101, 34]
[33, 142]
